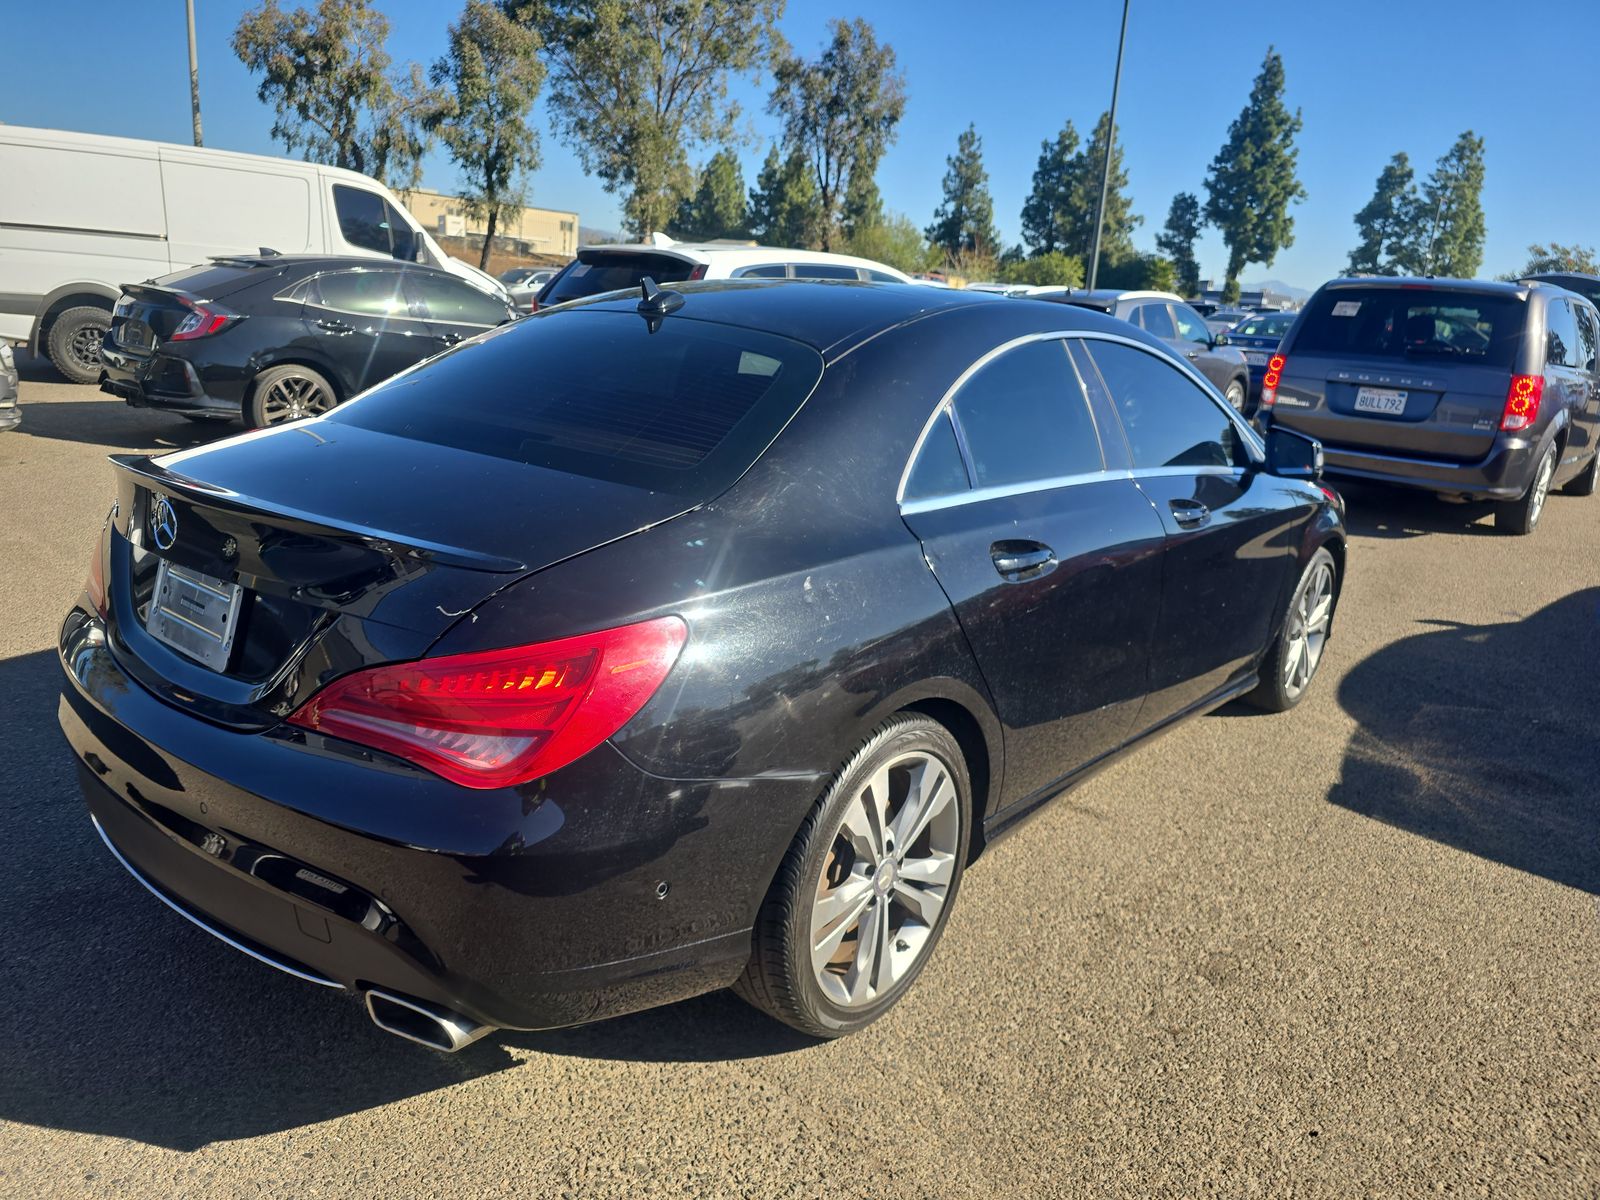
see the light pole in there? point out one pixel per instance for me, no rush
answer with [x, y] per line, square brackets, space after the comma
[1111, 145]
[194, 77]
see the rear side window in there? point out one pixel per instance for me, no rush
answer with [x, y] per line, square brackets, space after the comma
[1156, 319]
[367, 220]
[1169, 420]
[1025, 418]
[1274, 326]
[881, 277]
[1420, 324]
[449, 300]
[371, 293]
[685, 410]
[938, 470]
[1561, 334]
[599, 271]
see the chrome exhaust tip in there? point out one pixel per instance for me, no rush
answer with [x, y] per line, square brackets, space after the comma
[423, 1023]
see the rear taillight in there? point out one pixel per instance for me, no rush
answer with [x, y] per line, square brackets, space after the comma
[501, 717]
[1522, 402]
[699, 272]
[1269, 381]
[203, 320]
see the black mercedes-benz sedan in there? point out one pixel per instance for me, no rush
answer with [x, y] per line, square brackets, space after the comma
[668, 642]
[275, 337]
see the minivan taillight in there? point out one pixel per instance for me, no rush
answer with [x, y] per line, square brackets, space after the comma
[496, 718]
[1522, 402]
[1269, 381]
[203, 320]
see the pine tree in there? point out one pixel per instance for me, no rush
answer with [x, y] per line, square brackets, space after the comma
[1045, 216]
[963, 226]
[1390, 238]
[1452, 204]
[784, 209]
[1176, 240]
[1251, 182]
[717, 209]
[1083, 201]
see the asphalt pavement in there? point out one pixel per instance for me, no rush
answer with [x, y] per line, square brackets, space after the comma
[1353, 950]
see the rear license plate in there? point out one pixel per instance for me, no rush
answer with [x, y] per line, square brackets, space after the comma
[1383, 401]
[1256, 358]
[194, 613]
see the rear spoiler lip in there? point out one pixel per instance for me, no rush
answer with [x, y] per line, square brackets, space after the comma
[144, 467]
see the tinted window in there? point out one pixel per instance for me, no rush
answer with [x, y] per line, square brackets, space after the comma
[771, 271]
[445, 298]
[939, 470]
[1561, 334]
[686, 409]
[373, 293]
[1156, 319]
[367, 220]
[1424, 324]
[881, 277]
[1169, 421]
[824, 271]
[1190, 327]
[1588, 335]
[1273, 325]
[1025, 417]
[599, 271]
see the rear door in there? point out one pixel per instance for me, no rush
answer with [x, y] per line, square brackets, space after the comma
[363, 320]
[1566, 380]
[1406, 369]
[1230, 528]
[1051, 561]
[1585, 439]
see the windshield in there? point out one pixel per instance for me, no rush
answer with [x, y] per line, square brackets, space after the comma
[1413, 322]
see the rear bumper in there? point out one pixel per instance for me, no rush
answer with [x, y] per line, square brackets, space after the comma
[10, 412]
[522, 908]
[1503, 474]
[159, 381]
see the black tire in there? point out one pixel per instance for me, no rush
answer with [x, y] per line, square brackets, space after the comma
[780, 979]
[1276, 692]
[74, 342]
[1522, 516]
[1588, 482]
[269, 402]
[1237, 394]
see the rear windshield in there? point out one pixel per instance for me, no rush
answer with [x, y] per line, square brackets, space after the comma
[685, 409]
[1275, 325]
[1413, 323]
[596, 271]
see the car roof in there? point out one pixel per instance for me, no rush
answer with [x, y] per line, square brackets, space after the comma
[830, 315]
[739, 255]
[321, 262]
[1558, 276]
[1487, 287]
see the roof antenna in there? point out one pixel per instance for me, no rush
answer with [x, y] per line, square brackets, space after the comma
[655, 303]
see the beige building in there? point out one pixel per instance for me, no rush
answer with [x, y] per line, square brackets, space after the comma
[544, 230]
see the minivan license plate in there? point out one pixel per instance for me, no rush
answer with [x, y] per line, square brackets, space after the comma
[1384, 401]
[194, 613]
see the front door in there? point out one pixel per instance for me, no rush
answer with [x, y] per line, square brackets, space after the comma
[363, 321]
[1052, 563]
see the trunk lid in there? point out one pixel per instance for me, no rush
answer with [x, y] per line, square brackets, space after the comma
[348, 547]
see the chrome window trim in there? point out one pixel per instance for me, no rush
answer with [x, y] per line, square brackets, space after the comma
[1252, 441]
[1002, 490]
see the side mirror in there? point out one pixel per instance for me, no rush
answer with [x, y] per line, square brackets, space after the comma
[1218, 339]
[1292, 455]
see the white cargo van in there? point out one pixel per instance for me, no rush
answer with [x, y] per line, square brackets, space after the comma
[82, 214]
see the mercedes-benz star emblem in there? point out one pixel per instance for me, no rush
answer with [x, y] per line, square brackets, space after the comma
[163, 523]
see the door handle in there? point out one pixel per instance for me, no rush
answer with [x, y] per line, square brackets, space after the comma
[1190, 514]
[449, 339]
[1191, 354]
[1019, 561]
[335, 327]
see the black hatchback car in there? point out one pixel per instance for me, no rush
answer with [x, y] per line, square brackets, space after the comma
[656, 645]
[1473, 389]
[273, 338]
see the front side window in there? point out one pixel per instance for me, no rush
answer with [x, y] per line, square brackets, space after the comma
[453, 301]
[824, 271]
[1025, 418]
[1169, 420]
[770, 271]
[373, 293]
[1588, 335]
[364, 218]
[1190, 327]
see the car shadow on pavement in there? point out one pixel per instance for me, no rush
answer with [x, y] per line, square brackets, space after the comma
[112, 423]
[1482, 737]
[1376, 511]
[122, 1019]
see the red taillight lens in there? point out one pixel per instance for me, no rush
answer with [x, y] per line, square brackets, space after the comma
[1269, 381]
[501, 717]
[699, 272]
[204, 319]
[1522, 402]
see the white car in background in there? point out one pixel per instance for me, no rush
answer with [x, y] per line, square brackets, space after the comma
[610, 268]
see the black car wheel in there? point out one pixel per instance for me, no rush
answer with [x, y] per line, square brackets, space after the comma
[1587, 483]
[1522, 516]
[74, 342]
[288, 393]
[1292, 664]
[1235, 395]
[867, 886]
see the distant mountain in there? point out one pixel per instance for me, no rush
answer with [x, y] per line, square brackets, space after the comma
[590, 236]
[1277, 285]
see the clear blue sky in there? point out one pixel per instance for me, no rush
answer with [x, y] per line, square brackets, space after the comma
[1371, 76]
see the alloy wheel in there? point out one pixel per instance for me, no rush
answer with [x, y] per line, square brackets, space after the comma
[1309, 619]
[886, 879]
[1541, 486]
[292, 397]
[84, 346]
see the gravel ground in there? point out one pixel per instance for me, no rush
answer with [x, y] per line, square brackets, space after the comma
[1348, 951]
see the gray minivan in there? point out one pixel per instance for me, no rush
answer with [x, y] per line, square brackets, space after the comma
[1465, 387]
